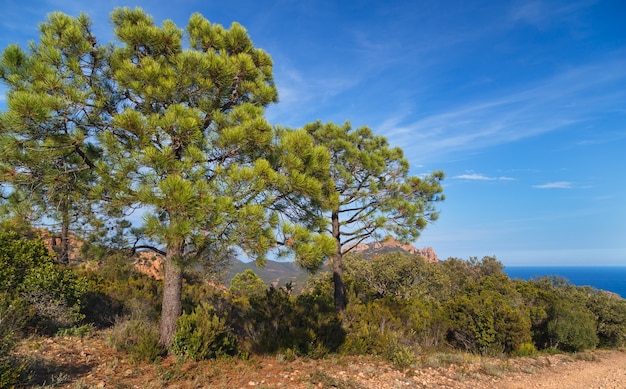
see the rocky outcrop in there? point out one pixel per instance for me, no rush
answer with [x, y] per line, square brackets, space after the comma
[390, 245]
[145, 262]
[150, 263]
[53, 243]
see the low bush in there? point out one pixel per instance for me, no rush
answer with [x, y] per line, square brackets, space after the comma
[487, 317]
[306, 324]
[11, 369]
[115, 289]
[78, 331]
[139, 339]
[571, 327]
[202, 334]
[570, 318]
[526, 350]
[610, 314]
[48, 295]
[395, 329]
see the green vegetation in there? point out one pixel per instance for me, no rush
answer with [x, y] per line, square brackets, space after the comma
[36, 296]
[370, 193]
[247, 284]
[202, 334]
[41, 295]
[138, 338]
[411, 310]
[177, 128]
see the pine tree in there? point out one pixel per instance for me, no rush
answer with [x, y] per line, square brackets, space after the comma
[174, 129]
[371, 193]
[192, 148]
[57, 99]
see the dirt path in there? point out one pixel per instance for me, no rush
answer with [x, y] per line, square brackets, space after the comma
[607, 371]
[91, 363]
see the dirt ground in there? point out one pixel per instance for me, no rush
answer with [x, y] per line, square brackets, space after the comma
[607, 370]
[90, 362]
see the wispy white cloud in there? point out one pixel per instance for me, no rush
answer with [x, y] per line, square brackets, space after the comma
[555, 185]
[301, 95]
[573, 96]
[481, 177]
[541, 13]
[603, 138]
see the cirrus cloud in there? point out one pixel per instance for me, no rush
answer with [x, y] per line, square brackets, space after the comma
[481, 177]
[555, 185]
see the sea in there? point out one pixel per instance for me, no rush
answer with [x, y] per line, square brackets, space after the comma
[609, 278]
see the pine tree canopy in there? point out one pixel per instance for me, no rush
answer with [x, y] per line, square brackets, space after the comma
[172, 122]
[370, 193]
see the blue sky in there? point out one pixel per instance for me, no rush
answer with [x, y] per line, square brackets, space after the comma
[521, 103]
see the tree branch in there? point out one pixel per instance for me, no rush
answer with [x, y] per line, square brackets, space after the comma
[151, 248]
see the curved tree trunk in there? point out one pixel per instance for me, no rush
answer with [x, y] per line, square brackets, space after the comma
[172, 306]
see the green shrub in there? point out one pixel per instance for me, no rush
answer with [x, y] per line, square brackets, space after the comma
[371, 326]
[526, 350]
[10, 368]
[571, 327]
[306, 324]
[202, 334]
[565, 317]
[247, 284]
[139, 339]
[79, 331]
[402, 356]
[55, 295]
[610, 314]
[315, 320]
[392, 328]
[18, 255]
[487, 317]
[113, 292]
[50, 296]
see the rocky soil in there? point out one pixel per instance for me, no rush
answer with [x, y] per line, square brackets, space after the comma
[90, 362]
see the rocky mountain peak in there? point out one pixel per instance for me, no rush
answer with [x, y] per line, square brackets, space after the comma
[390, 245]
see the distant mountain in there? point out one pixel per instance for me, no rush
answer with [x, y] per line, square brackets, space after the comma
[390, 245]
[280, 273]
[273, 273]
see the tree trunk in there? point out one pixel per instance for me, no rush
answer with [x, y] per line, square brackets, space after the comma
[64, 254]
[172, 306]
[340, 292]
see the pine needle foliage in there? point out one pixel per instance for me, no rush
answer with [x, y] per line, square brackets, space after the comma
[192, 147]
[166, 120]
[58, 97]
[371, 194]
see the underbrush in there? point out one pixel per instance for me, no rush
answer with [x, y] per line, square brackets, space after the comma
[424, 314]
[138, 338]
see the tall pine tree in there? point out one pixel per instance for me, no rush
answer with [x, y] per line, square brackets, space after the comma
[192, 147]
[175, 129]
[371, 193]
[59, 96]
